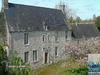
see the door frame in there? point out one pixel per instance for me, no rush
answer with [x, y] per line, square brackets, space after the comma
[47, 57]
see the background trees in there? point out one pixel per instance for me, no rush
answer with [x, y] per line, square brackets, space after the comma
[0, 23]
[97, 22]
[70, 14]
[94, 17]
[78, 19]
[73, 18]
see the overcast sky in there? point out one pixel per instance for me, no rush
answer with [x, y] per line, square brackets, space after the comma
[83, 8]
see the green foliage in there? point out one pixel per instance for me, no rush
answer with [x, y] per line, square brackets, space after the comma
[78, 19]
[97, 22]
[2, 60]
[16, 62]
[1, 21]
[71, 20]
[83, 70]
[16, 68]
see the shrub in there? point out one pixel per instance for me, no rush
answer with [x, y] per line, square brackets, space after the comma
[83, 70]
[2, 60]
[16, 68]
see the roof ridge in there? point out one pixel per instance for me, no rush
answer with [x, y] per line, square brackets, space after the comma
[35, 6]
[81, 23]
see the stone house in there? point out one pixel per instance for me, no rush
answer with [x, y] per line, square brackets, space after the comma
[36, 33]
[39, 34]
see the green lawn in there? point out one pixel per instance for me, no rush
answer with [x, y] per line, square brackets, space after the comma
[65, 67]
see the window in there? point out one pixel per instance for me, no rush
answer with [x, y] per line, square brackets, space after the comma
[45, 27]
[66, 35]
[34, 55]
[56, 37]
[43, 49]
[25, 38]
[56, 51]
[48, 38]
[72, 35]
[43, 38]
[26, 56]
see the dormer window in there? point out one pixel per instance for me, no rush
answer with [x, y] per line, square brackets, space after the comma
[44, 26]
[72, 35]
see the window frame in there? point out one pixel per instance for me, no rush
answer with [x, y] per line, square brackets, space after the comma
[56, 51]
[66, 35]
[26, 56]
[49, 37]
[43, 38]
[26, 38]
[35, 57]
[72, 35]
[56, 37]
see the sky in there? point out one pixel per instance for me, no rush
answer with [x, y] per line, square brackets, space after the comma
[85, 9]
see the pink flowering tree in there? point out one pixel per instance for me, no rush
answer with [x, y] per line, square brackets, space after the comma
[79, 50]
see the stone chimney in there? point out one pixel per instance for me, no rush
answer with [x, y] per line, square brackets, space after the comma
[4, 3]
[62, 8]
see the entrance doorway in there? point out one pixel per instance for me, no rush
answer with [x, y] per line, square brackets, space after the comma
[46, 57]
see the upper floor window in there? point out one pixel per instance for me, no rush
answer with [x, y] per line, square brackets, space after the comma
[25, 38]
[35, 55]
[43, 38]
[48, 38]
[26, 56]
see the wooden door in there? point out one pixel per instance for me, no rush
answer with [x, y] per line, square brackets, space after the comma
[46, 58]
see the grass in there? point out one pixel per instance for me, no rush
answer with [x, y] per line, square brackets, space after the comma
[83, 70]
[65, 67]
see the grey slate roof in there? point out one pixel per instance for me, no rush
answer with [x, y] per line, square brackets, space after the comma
[86, 30]
[30, 18]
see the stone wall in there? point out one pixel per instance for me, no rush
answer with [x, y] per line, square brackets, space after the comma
[48, 46]
[36, 43]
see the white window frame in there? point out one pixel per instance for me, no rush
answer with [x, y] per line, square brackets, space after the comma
[35, 57]
[49, 38]
[26, 56]
[26, 38]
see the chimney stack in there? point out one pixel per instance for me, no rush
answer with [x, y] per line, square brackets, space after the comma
[62, 8]
[4, 3]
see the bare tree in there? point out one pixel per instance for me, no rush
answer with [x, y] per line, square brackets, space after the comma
[94, 17]
[68, 12]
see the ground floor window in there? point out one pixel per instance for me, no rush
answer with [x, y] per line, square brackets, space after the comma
[35, 55]
[56, 51]
[26, 55]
